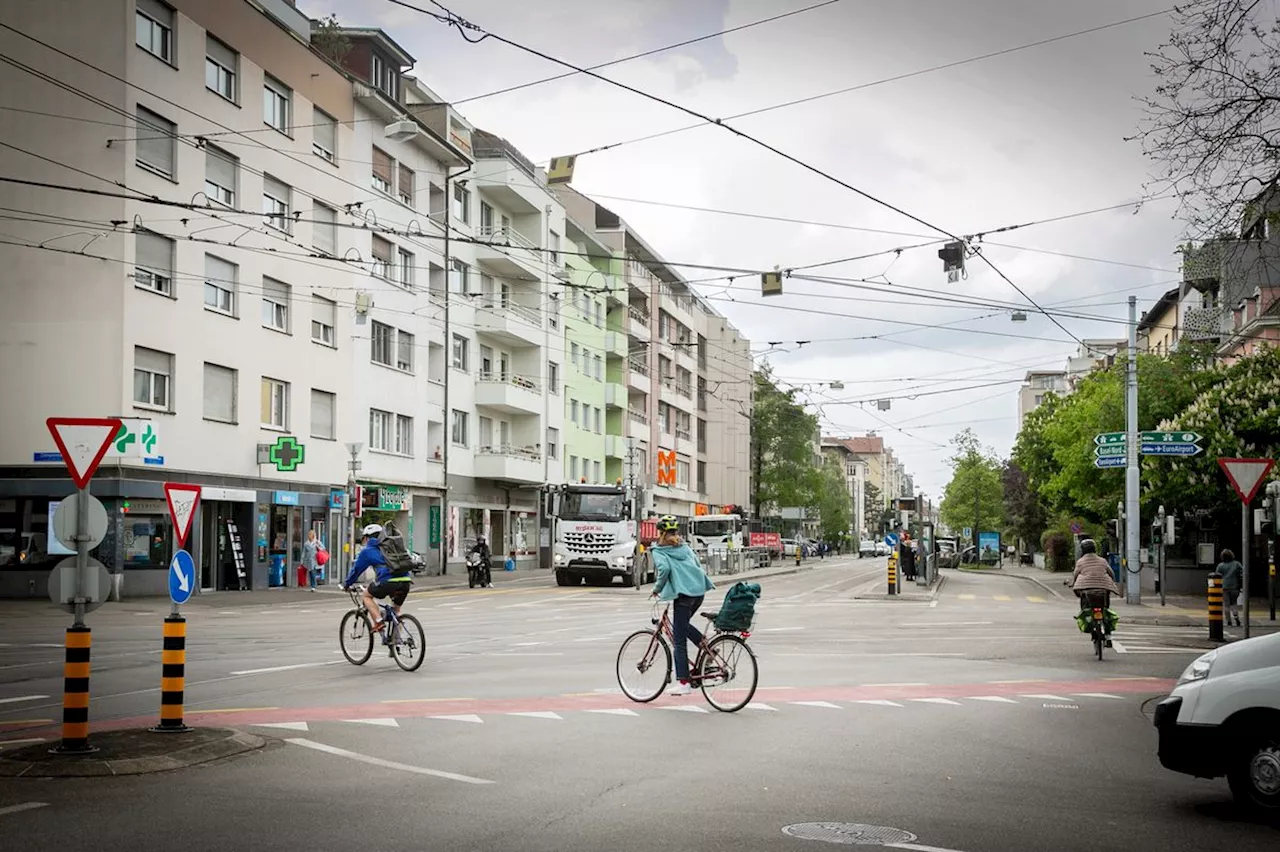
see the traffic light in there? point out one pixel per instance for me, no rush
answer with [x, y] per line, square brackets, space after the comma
[1157, 532]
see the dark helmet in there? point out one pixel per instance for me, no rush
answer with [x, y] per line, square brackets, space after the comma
[668, 523]
[1087, 545]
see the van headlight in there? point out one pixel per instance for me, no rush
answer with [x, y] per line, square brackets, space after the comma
[620, 561]
[1199, 668]
[558, 558]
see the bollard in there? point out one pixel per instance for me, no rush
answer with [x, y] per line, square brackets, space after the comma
[173, 663]
[1215, 607]
[75, 694]
[893, 575]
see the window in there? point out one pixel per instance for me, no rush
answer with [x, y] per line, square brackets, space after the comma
[219, 393]
[404, 435]
[599, 315]
[275, 104]
[404, 350]
[461, 203]
[702, 477]
[324, 228]
[152, 372]
[385, 77]
[554, 246]
[459, 277]
[573, 411]
[156, 142]
[486, 218]
[379, 430]
[461, 353]
[383, 338]
[459, 433]
[595, 472]
[382, 254]
[553, 377]
[486, 431]
[553, 442]
[220, 64]
[573, 468]
[599, 367]
[275, 203]
[275, 403]
[220, 170]
[220, 285]
[323, 405]
[682, 473]
[405, 185]
[153, 262]
[154, 29]
[573, 355]
[275, 304]
[405, 268]
[599, 421]
[664, 417]
[324, 316]
[486, 362]
[324, 134]
[382, 169]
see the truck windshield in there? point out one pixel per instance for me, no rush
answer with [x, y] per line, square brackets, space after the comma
[713, 528]
[591, 507]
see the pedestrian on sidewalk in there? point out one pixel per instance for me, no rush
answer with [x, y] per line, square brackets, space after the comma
[682, 580]
[309, 550]
[907, 558]
[1232, 576]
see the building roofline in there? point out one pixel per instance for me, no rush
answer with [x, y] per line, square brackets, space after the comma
[406, 58]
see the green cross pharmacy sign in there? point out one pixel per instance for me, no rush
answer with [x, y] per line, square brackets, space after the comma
[286, 454]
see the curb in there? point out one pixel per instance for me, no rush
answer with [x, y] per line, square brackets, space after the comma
[36, 762]
[904, 597]
[1029, 579]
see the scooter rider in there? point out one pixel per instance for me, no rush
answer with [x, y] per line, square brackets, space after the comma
[482, 548]
[1093, 574]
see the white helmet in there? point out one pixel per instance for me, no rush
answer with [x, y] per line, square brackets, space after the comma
[372, 529]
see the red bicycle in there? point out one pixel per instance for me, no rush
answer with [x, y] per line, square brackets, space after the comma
[725, 668]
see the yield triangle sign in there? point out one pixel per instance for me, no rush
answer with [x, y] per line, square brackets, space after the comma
[1246, 475]
[83, 441]
[183, 500]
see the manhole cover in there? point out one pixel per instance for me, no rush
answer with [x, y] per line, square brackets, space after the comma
[851, 833]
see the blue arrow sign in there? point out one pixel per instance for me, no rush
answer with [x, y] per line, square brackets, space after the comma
[1110, 461]
[891, 540]
[1171, 449]
[182, 577]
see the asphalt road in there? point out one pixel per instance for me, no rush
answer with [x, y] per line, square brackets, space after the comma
[978, 721]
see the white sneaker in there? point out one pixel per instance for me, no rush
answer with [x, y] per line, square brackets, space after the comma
[681, 689]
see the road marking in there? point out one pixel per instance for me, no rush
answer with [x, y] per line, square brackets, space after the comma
[539, 714]
[1035, 599]
[1119, 647]
[617, 712]
[853, 654]
[386, 764]
[4, 743]
[763, 707]
[236, 710]
[1133, 677]
[778, 629]
[22, 698]
[918, 848]
[462, 717]
[527, 654]
[383, 723]
[25, 806]
[936, 701]
[527, 644]
[968, 597]
[417, 700]
[289, 726]
[1097, 695]
[1044, 697]
[895, 684]
[688, 708]
[998, 699]
[816, 704]
[1001, 597]
[594, 639]
[1028, 680]
[288, 668]
[26, 722]
[945, 623]
[881, 702]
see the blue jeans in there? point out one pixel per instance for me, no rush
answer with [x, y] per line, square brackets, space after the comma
[683, 631]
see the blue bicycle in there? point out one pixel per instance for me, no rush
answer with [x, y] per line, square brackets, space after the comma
[401, 634]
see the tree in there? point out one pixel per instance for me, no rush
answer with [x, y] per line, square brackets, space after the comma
[872, 510]
[327, 37]
[834, 507]
[1211, 122]
[782, 437]
[1023, 508]
[974, 496]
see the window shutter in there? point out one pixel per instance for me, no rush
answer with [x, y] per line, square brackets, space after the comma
[326, 311]
[220, 168]
[220, 53]
[406, 182]
[276, 291]
[321, 414]
[324, 228]
[154, 252]
[220, 272]
[157, 10]
[276, 189]
[326, 131]
[219, 392]
[382, 166]
[155, 141]
[381, 249]
[150, 359]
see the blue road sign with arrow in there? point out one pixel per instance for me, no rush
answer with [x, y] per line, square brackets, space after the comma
[1110, 461]
[891, 540]
[1171, 449]
[182, 577]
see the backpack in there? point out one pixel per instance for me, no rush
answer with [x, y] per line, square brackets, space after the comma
[391, 542]
[739, 608]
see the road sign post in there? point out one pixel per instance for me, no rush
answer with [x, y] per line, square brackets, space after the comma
[1245, 476]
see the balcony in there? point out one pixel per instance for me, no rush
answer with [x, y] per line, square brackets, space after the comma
[509, 464]
[511, 395]
[615, 293]
[615, 395]
[684, 434]
[636, 416]
[638, 375]
[511, 322]
[638, 322]
[615, 446]
[509, 253]
[1203, 324]
[616, 344]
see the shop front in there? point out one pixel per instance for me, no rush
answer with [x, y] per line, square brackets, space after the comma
[282, 527]
[509, 524]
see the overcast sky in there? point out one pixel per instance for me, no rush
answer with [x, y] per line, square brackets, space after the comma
[1035, 134]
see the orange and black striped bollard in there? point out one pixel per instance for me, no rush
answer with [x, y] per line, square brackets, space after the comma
[1215, 607]
[173, 662]
[75, 694]
[893, 574]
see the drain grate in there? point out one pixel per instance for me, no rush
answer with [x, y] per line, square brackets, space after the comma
[850, 833]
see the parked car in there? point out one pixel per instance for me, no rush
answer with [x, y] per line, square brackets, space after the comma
[882, 549]
[789, 546]
[866, 548]
[1223, 718]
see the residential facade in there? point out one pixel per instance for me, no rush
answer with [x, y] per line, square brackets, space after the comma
[1035, 387]
[1160, 327]
[583, 315]
[856, 470]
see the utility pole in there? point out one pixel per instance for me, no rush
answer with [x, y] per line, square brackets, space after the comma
[1133, 586]
[353, 508]
[449, 177]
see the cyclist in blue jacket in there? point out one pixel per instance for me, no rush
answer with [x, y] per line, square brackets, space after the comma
[385, 583]
[682, 580]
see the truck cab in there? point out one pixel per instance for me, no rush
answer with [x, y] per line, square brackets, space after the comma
[593, 536]
[716, 533]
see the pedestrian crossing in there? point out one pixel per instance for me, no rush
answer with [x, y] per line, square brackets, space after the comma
[969, 597]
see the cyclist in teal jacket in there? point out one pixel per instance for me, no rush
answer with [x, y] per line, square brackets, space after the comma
[681, 580]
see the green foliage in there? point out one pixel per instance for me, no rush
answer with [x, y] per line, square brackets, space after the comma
[783, 433]
[974, 496]
[328, 39]
[872, 509]
[1024, 510]
[832, 493]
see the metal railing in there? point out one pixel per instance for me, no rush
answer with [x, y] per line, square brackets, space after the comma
[510, 451]
[638, 417]
[638, 367]
[639, 316]
[719, 562]
[683, 434]
[685, 391]
[528, 383]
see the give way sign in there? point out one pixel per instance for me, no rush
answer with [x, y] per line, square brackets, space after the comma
[1246, 475]
[182, 499]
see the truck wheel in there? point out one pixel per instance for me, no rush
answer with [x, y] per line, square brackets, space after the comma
[563, 578]
[1254, 773]
[631, 579]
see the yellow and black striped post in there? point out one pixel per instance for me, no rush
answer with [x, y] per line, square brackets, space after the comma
[1215, 607]
[75, 694]
[893, 573]
[173, 663]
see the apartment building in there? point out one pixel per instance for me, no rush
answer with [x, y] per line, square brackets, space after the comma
[1035, 386]
[856, 469]
[1160, 326]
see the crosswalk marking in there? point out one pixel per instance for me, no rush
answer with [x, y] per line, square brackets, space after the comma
[538, 714]
[817, 704]
[688, 708]
[621, 711]
[1097, 695]
[1042, 696]
[968, 597]
[1002, 598]
[882, 702]
[997, 699]
[462, 717]
[1035, 599]
[936, 701]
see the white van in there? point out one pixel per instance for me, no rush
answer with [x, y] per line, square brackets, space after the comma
[1223, 718]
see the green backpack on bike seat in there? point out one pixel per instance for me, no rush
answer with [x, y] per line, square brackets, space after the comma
[739, 608]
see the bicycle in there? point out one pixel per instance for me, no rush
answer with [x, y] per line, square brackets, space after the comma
[724, 659]
[1094, 601]
[402, 634]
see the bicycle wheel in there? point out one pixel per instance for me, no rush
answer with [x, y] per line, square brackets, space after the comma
[356, 637]
[728, 673]
[409, 644]
[644, 666]
[1097, 642]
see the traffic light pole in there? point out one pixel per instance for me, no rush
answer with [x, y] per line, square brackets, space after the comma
[1132, 564]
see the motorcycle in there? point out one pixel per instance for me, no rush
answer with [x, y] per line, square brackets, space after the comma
[477, 571]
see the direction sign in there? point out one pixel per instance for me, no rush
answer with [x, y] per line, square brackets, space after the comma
[67, 518]
[1171, 449]
[891, 540]
[1110, 450]
[1171, 437]
[83, 441]
[182, 500]
[1245, 475]
[62, 584]
[968, 532]
[1110, 461]
[182, 577]
[1109, 438]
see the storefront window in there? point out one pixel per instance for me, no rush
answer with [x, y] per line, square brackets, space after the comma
[520, 532]
[472, 526]
[147, 541]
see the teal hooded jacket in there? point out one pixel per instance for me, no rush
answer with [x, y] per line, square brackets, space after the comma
[679, 572]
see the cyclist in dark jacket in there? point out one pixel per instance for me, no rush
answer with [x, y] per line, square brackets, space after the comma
[385, 583]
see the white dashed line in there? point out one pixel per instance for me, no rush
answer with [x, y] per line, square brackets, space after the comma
[386, 764]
